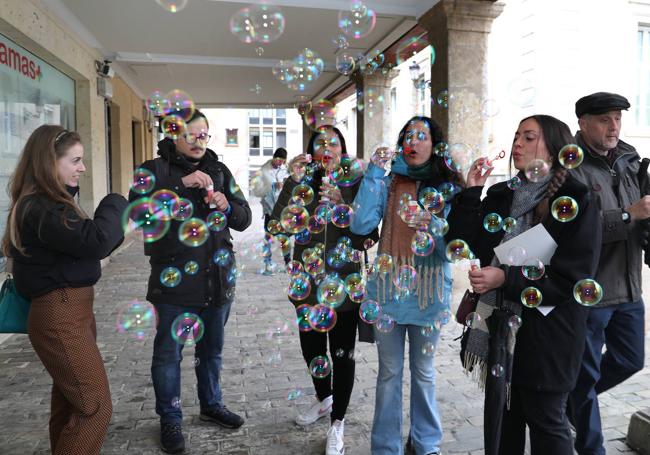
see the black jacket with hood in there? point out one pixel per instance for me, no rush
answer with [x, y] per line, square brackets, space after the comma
[211, 284]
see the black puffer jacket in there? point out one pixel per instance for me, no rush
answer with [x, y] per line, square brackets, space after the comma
[58, 256]
[211, 284]
[548, 352]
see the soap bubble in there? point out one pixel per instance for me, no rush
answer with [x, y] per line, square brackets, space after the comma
[448, 190]
[143, 181]
[261, 23]
[531, 297]
[405, 278]
[358, 21]
[331, 292]
[222, 257]
[147, 215]
[299, 286]
[294, 394]
[428, 349]
[187, 329]
[183, 210]
[570, 156]
[514, 183]
[457, 250]
[169, 200]
[439, 226]
[587, 292]
[345, 63]
[536, 170]
[431, 200]
[496, 370]
[294, 218]
[320, 367]
[191, 268]
[385, 323]
[274, 227]
[348, 173]
[173, 126]
[427, 330]
[170, 277]
[319, 113]
[509, 224]
[384, 263]
[302, 317]
[304, 194]
[137, 319]
[370, 311]
[422, 243]
[533, 269]
[322, 318]
[564, 209]
[294, 268]
[157, 103]
[342, 215]
[514, 322]
[193, 232]
[410, 48]
[492, 222]
[173, 6]
[217, 221]
[443, 98]
[180, 105]
[516, 255]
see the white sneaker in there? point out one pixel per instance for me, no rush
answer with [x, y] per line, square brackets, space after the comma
[335, 438]
[316, 411]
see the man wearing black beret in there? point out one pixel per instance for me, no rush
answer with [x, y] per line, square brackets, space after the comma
[610, 168]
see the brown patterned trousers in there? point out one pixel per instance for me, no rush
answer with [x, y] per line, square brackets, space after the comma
[63, 333]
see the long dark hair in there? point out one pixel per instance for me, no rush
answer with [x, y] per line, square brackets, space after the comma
[36, 173]
[441, 173]
[556, 135]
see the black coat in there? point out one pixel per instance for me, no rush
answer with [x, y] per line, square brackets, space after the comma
[59, 256]
[210, 285]
[548, 352]
[334, 233]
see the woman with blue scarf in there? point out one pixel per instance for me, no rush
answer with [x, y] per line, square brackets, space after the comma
[411, 282]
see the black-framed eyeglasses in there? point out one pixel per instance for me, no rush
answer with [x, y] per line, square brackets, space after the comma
[194, 138]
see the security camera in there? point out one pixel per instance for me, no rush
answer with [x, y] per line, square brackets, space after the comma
[104, 69]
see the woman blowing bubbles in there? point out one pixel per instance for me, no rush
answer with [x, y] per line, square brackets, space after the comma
[528, 332]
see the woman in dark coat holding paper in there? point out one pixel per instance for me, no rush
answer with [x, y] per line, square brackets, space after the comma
[527, 310]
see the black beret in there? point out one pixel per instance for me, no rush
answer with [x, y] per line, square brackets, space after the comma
[601, 102]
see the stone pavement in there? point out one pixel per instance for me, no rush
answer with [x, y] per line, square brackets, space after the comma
[262, 366]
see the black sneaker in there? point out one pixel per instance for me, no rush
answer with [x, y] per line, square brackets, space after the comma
[222, 416]
[171, 438]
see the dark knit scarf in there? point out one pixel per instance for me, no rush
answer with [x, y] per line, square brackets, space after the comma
[475, 359]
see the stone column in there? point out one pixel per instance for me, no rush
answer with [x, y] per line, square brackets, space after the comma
[374, 120]
[458, 30]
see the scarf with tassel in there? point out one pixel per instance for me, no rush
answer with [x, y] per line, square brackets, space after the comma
[395, 240]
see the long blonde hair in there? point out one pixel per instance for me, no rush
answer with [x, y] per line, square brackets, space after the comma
[36, 174]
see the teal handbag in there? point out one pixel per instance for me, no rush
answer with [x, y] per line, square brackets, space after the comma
[14, 309]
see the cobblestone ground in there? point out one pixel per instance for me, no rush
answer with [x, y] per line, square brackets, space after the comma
[262, 366]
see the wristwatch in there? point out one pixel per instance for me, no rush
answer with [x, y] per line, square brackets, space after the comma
[626, 217]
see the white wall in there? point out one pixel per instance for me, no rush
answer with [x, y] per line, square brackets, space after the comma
[546, 54]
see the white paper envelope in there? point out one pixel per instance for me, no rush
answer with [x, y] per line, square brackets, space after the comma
[536, 242]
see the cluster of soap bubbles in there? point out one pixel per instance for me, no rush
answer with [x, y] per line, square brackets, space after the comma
[174, 108]
[300, 72]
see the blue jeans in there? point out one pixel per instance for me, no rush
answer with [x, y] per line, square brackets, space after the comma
[167, 356]
[621, 329]
[426, 428]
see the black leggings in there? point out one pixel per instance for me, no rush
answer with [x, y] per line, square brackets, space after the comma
[342, 338]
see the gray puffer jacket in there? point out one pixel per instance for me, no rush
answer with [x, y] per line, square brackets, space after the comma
[615, 187]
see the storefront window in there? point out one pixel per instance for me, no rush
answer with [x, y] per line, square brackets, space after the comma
[32, 93]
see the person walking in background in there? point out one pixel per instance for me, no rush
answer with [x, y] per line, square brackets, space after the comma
[610, 169]
[187, 169]
[527, 334]
[56, 251]
[267, 187]
[338, 317]
[411, 286]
